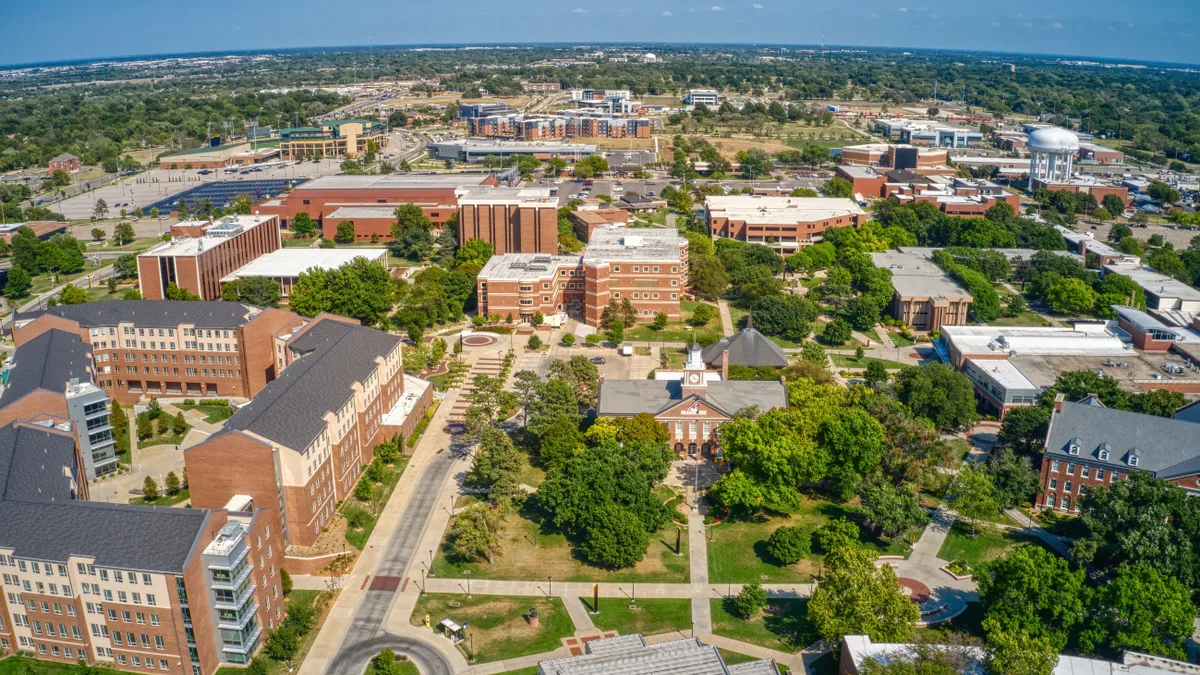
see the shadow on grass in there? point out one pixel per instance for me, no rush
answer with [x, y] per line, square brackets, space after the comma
[786, 620]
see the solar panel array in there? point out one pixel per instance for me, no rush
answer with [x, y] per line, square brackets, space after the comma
[221, 193]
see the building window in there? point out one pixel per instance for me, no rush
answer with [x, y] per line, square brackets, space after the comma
[1053, 483]
[1054, 466]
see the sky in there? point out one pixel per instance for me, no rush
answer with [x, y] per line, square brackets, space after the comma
[1150, 30]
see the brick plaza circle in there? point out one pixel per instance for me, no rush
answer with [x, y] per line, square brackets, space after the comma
[478, 340]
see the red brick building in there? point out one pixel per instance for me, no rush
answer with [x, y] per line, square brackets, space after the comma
[303, 440]
[783, 223]
[171, 347]
[646, 266]
[512, 220]
[201, 253]
[64, 162]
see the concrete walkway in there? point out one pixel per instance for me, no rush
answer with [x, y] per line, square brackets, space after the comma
[726, 318]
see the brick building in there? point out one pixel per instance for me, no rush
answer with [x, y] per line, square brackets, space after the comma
[586, 221]
[783, 223]
[563, 124]
[170, 347]
[338, 138]
[648, 267]
[64, 162]
[302, 442]
[1088, 444]
[323, 198]
[512, 220]
[891, 156]
[141, 589]
[202, 252]
[924, 297]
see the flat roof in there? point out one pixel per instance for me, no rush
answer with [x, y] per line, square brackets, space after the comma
[1094, 245]
[1082, 339]
[290, 262]
[856, 171]
[480, 145]
[393, 182]
[526, 196]
[193, 246]
[1013, 254]
[1154, 282]
[1003, 372]
[781, 210]
[526, 266]
[640, 243]
[908, 262]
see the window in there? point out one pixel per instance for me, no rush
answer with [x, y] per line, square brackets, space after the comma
[1067, 487]
[1053, 484]
[1133, 460]
[158, 642]
[1099, 474]
[1073, 449]
[1070, 469]
[1085, 471]
[1104, 455]
[1054, 466]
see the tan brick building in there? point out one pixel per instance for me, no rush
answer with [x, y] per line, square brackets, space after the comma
[201, 253]
[170, 347]
[512, 220]
[302, 442]
[925, 298]
[141, 589]
[337, 138]
[783, 223]
[646, 266]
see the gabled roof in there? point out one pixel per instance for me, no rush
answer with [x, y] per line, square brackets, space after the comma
[48, 361]
[630, 397]
[36, 464]
[747, 347]
[157, 313]
[65, 157]
[291, 409]
[1165, 446]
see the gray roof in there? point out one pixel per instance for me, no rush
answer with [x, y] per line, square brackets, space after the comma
[630, 397]
[157, 313]
[747, 347]
[48, 362]
[36, 464]
[142, 538]
[66, 156]
[1164, 446]
[290, 410]
[1189, 412]
[630, 655]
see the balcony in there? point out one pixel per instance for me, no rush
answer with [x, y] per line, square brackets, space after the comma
[238, 601]
[247, 646]
[246, 615]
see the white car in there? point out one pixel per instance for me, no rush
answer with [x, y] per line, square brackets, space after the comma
[558, 182]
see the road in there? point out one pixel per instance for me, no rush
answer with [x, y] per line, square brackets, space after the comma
[366, 636]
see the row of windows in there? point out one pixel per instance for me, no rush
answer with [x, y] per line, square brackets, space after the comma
[1085, 471]
[645, 296]
[33, 606]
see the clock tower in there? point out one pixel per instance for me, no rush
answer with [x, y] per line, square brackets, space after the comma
[694, 380]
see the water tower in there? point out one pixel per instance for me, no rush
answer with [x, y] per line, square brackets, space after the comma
[1052, 155]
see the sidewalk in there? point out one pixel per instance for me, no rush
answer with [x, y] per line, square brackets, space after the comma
[726, 317]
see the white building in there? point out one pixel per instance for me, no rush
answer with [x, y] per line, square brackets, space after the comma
[708, 97]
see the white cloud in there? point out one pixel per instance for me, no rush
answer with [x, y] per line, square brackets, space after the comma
[995, 23]
[717, 8]
[872, 15]
[580, 10]
[922, 9]
[901, 9]
[1057, 25]
[667, 13]
[756, 6]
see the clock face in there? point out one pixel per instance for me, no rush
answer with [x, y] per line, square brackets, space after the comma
[695, 378]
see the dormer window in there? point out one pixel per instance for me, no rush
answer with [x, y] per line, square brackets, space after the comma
[1133, 460]
[1104, 455]
[1073, 446]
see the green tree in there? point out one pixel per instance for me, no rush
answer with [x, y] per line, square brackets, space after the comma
[701, 315]
[474, 252]
[60, 178]
[837, 187]
[1034, 591]
[535, 343]
[788, 544]
[750, 600]
[892, 510]
[974, 494]
[282, 643]
[172, 483]
[475, 532]
[856, 443]
[126, 266]
[258, 291]
[303, 225]
[938, 393]
[174, 292]
[707, 276]
[836, 533]
[1071, 296]
[285, 582]
[1024, 429]
[1015, 479]
[1143, 611]
[1116, 206]
[73, 295]
[97, 234]
[345, 232]
[814, 353]
[123, 234]
[1016, 652]
[837, 332]
[150, 489]
[18, 284]
[660, 321]
[856, 598]
[179, 425]
[876, 373]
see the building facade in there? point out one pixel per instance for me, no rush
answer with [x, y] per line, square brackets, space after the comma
[339, 138]
[924, 297]
[563, 124]
[196, 262]
[783, 223]
[512, 220]
[169, 347]
[64, 162]
[707, 97]
[301, 443]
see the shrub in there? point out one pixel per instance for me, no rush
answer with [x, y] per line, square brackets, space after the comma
[835, 533]
[568, 340]
[788, 545]
[535, 342]
[750, 600]
[285, 581]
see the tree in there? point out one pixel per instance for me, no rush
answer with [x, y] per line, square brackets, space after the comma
[855, 442]
[179, 425]
[814, 353]
[174, 292]
[837, 332]
[892, 510]
[303, 225]
[282, 643]
[974, 494]
[360, 289]
[701, 315]
[1016, 652]
[838, 187]
[660, 321]
[863, 312]
[97, 234]
[1116, 206]
[474, 252]
[836, 533]
[876, 373]
[535, 343]
[172, 483]
[707, 276]
[60, 178]
[123, 234]
[345, 232]
[1034, 591]
[150, 489]
[126, 266]
[258, 291]
[1071, 296]
[1016, 481]
[100, 211]
[73, 295]
[616, 333]
[938, 393]
[856, 598]
[1143, 611]
[788, 545]
[568, 339]
[1162, 193]
[474, 532]
[614, 539]
[581, 375]
[1024, 429]
[750, 600]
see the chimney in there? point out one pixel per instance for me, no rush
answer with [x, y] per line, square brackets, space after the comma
[725, 365]
[1058, 401]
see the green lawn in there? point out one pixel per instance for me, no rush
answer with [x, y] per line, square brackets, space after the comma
[531, 670]
[901, 341]
[987, 544]
[648, 617]
[23, 665]
[852, 361]
[530, 553]
[497, 623]
[799, 143]
[358, 537]
[675, 331]
[871, 334]
[738, 550]
[164, 499]
[404, 667]
[170, 438]
[784, 625]
[212, 413]
[297, 243]
[1026, 318]
[136, 246]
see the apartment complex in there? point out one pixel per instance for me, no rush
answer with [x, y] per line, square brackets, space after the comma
[648, 267]
[51, 374]
[783, 223]
[561, 124]
[337, 138]
[924, 297]
[512, 220]
[370, 201]
[169, 347]
[952, 195]
[1088, 444]
[301, 443]
[201, 253]
[142, 589]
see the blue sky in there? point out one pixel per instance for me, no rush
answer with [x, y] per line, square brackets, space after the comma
[1155, 30]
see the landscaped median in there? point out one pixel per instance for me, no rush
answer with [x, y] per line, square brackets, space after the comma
[498, 627]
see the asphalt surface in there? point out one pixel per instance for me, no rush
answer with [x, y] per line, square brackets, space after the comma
[366, 636]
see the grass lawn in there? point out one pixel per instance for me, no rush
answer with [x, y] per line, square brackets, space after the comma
[164, 499]
[852, 361]
[528, 553]
[531, 670]
[212, 413]
[298, 243]
[358, 537]
[784, 625]
[901, 341]
[23, 665]
[1026, 318]
[498, 623]
[659, 217]
[170, 438]
[323, 601]
[736, 314]
[987, 544]
[136, 246]
[648, 617]
[738, 551]
[404, 667]
[871, 334]
[676, 331]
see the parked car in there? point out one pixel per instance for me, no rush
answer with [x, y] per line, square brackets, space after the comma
[598, 360]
